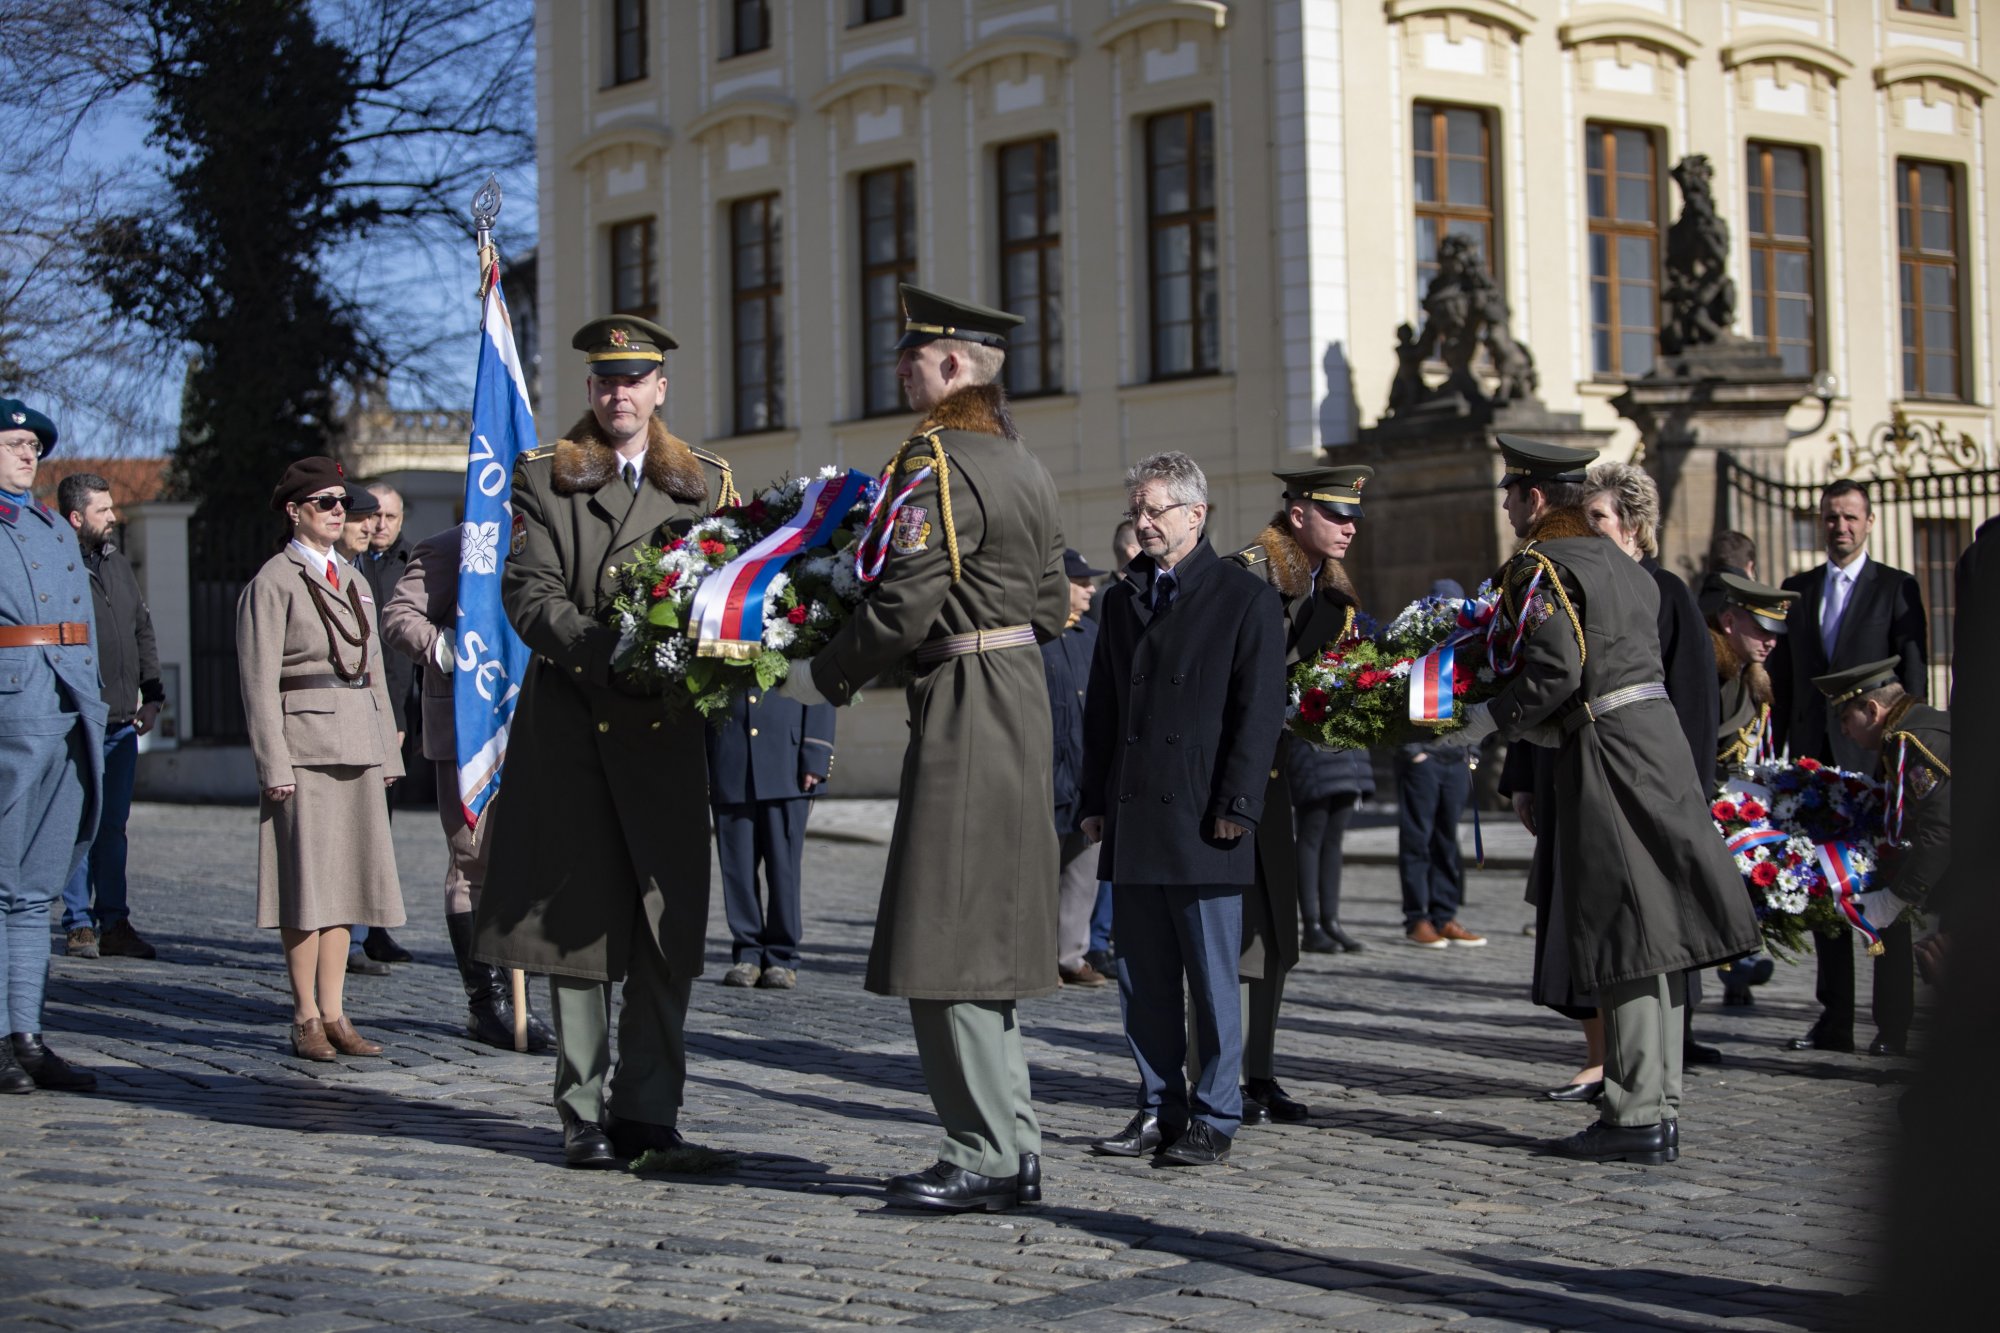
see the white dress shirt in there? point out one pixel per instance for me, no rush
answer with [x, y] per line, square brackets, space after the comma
[1834, 597]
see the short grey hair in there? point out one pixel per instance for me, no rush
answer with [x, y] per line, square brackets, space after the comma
[382, 490]
[982, 363]
[1636, 498]
[1182, 475]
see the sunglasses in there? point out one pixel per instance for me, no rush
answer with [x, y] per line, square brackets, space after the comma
[326, 504]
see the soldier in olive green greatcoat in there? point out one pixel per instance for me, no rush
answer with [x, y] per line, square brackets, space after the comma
[599, 868]
[1298, 553]
[971, 581]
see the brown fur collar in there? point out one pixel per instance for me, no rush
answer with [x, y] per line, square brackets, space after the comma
[1556, 524]
[585, 460]
[981, 410]
[1729, 664]
[1291, 567]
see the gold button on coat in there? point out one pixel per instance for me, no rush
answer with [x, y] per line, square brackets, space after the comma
[604, 726]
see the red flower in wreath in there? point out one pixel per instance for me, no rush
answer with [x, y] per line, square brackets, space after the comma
[1723, 811]
[1461, 684]
[1312, 705]
[711, 546]
[797, 615]
[1368, 678]
[1764, 874]
[1752, 810]
[1810, 765]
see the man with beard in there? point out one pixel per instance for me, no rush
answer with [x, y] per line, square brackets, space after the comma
[1644, 889]
[971, 581]
[599, 866]
[1298, 553]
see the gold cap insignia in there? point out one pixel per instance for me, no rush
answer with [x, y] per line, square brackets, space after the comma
[619, 338]
[1358, 481]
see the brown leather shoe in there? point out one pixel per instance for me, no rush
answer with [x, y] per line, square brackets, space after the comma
[309, 1040]
[82, 943]
[1082, 976]
[1424, 935]
[349, 1042]
[1453, 933]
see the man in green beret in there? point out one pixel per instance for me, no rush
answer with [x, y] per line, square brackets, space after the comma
[599, 864]
[1911, 743]
[1298, 553]
[971, 581]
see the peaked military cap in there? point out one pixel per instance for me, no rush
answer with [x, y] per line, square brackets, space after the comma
[623, 345]
[1333, 488]
[928, 317]
[1843, 687]
[1766, 605]
[304, 477]
[1538, 460]
[17, 415]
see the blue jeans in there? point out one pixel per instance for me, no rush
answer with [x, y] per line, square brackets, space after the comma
[1100, 919]
[95, 893]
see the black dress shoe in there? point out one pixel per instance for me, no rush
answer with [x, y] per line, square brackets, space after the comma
[1318, 941]
[1737, 997]
[946, 1187]
[13, 1078]
[1274, 1099]
[382, 947]
[1254, 1111]
[1202, 1145]
[1887, 1046]
[1646, 1144]
[361, 965]
[48, 1069]
[1103, 961]
[636, 1138]
[1346, 941]
[1673, 1140]
[1814, 1041]
[1694, 1053]
[1028, 1185]
[1592, 1091]
[585, 1144]
[1142, 1134]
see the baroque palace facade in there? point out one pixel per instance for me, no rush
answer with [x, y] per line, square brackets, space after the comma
[1215, 216]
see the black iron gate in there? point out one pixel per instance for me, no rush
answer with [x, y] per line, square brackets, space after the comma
[1929, 491]
[223, 555]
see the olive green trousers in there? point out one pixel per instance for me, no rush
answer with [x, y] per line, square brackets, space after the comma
[1644, 1028]
[652, 1055]
[977, 1075]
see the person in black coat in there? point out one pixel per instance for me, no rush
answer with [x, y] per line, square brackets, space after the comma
[767, 756]
[1851, 610]
[1066, 662]
[1624, 505]
[1186, 703]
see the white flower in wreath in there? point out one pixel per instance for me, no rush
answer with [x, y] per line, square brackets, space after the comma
[779, 634]
[1401, 670]
[774, 594]
[829, 472]
[847, 584]
[479, 548]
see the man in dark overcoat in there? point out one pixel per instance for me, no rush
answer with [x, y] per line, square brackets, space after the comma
[1851, 610]
[1298, 553]
[599, 865]
[971, 581]
[1066, 661]
[1912, 745]
[1647, 889]
[1187, 699]
[767, 757]
[51, 742]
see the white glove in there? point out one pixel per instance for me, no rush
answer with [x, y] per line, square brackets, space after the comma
[798, 686]
[444, 650]
[1479, 724]
[1881, 907]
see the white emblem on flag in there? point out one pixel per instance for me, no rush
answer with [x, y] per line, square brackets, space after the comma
[480, 548]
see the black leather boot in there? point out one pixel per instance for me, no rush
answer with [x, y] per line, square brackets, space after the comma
[488, 995]
[48, 1069]
[13, 1078]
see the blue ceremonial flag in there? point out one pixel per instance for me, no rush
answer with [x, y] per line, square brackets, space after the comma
[491, 657]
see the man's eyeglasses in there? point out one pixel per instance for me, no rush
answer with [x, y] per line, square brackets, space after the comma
[1153, 515]
[326, 504]
[32, 446]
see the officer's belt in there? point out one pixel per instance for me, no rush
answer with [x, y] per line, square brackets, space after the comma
[978, 641]
[286, 684]
[1610, 702]
[70, 633]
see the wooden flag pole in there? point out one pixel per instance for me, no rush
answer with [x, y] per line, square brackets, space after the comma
[520, 980]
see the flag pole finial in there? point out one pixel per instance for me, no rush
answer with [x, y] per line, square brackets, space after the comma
[485, 211]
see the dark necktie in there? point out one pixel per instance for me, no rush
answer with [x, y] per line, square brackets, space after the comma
[1164, 588]
[632, 477]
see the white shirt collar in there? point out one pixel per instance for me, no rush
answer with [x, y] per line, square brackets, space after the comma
[1852, 572]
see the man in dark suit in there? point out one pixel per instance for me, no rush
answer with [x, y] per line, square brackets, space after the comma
[1850, 611]
[767, 757]
[1186, 702]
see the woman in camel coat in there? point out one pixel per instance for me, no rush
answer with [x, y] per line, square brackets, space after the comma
[324, 739]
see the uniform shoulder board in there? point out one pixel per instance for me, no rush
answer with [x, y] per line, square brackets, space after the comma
[729, 496]
[532, 455]
[714, 460]
[1250, 556]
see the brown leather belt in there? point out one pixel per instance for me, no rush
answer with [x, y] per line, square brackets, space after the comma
[327, 682]
[70, 633]
[978, 641]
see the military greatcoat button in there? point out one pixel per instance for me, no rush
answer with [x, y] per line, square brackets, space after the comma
[1179, 679]
[1139, 679]
[1172, 737]
[1133, 739]
[1167, 799]
[579, 671]
[604, 726]
[753, 731]
[1121, 800]
[656, 726]
[753, 698]
[1240, 803]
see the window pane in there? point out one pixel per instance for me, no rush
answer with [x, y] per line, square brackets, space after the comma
[1467, 182]
[1937, 233]
[1170, 250]
[1173, 349]
[1173, 300]
[1794, 272]
[1939, 280]
[1788, 169]
[1934, 186]
[1594, 193]
[1462, 133]
[750, 266]
[1794, 320]
[1940, 326]
[1760, 319]
[1023, 279]
[1600, 303]
[1600, 350]
[1635, 258]
[1636, 353]
[1017, 168]
[1635, 199]
[1170, 187]
[1600, 255]
[1797, 358]
[1635, 305]
[1940, 375]
[1422, 120]
[1426, 181]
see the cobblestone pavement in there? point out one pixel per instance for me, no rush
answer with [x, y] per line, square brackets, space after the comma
[215, 1182]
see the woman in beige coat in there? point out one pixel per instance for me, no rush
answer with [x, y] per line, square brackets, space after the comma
[325, 744]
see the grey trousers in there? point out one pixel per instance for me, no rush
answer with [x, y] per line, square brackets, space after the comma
[1643, 1022]
[977, 1074]
[1260, 1001]
[1076, 895]
[652, 1055]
